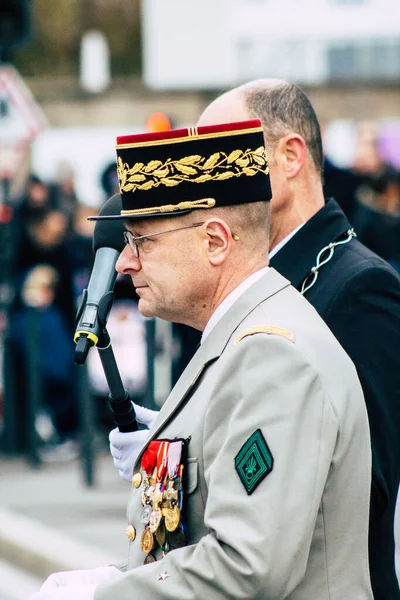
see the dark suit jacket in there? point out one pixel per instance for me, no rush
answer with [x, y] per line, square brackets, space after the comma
[358, 296]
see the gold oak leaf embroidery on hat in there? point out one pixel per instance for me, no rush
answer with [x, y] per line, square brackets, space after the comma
[195, 169]
[254, 461]
[159, 174]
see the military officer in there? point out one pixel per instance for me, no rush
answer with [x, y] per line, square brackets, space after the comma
[254, 481]
[313, 244]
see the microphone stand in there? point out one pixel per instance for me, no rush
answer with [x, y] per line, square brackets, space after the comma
[119, 399]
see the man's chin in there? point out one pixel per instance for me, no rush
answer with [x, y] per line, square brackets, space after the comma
[146, 309]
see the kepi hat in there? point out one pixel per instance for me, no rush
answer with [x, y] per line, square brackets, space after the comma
[173, 172]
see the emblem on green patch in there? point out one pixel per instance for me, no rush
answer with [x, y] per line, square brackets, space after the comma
[254, 461]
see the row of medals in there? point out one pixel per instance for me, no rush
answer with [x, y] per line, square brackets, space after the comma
[161, 517]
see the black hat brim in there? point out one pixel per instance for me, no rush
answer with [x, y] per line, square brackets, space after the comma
[135, 217]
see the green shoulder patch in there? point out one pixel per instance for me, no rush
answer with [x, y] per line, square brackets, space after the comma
[254, 461]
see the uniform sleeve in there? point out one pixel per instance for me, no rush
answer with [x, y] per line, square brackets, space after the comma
[260, 530]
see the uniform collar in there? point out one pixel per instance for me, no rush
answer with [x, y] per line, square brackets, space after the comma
[231, 299]
[295, 260]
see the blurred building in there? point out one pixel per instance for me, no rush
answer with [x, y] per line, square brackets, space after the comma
[175, 57]
[220, 43]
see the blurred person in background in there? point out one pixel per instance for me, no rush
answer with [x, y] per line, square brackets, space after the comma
[34, 203]
[41, 197]
[368, 160]
[54, 358]
[356, 293]
[43, 237]
[81, 249]
[64, 189]
[109, 180]
[341, 184]
[377, 180]
[377, 216]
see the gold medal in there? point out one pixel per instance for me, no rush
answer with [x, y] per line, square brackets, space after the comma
[172, 517]
[155, 519]
[147, 541]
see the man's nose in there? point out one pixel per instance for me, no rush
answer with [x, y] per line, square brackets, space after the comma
[127, 262]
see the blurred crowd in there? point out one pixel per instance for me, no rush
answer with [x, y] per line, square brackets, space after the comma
[369, 194]
[51, 266]
[52, 259]
[52, 262]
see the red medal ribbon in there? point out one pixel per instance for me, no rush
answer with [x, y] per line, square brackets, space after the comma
[149, 458]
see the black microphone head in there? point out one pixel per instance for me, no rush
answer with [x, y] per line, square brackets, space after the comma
[110, 233]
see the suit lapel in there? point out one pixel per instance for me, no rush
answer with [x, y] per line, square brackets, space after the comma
[211, 349]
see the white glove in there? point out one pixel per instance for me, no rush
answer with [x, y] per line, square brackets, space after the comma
[76, 585]
[125, 447]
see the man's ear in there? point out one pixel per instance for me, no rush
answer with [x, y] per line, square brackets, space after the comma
[218, 240]
[292, 151]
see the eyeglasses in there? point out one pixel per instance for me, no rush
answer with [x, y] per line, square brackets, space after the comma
[137, 242]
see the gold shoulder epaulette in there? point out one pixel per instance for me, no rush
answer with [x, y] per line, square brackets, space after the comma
[270, 329]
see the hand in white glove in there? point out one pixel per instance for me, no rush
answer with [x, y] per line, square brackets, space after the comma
[125, 447]
[75, 585]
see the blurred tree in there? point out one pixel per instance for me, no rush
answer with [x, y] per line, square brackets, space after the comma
[57, 31]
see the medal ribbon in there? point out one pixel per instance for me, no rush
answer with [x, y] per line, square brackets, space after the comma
[149, 458]
[181, 491]
[174, 458]
[162, 458]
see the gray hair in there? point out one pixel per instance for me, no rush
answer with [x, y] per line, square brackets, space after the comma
[284, 108]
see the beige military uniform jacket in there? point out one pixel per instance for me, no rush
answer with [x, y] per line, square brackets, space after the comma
[301, 533]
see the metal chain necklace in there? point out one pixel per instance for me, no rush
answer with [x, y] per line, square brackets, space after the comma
[322, 260]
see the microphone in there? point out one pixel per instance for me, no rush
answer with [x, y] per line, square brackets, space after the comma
[108, 243]
[97, 299]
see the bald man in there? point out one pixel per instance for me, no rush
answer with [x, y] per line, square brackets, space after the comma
[356, 293]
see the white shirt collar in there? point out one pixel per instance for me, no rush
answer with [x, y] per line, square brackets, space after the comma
[284, 241]
[231, 299]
